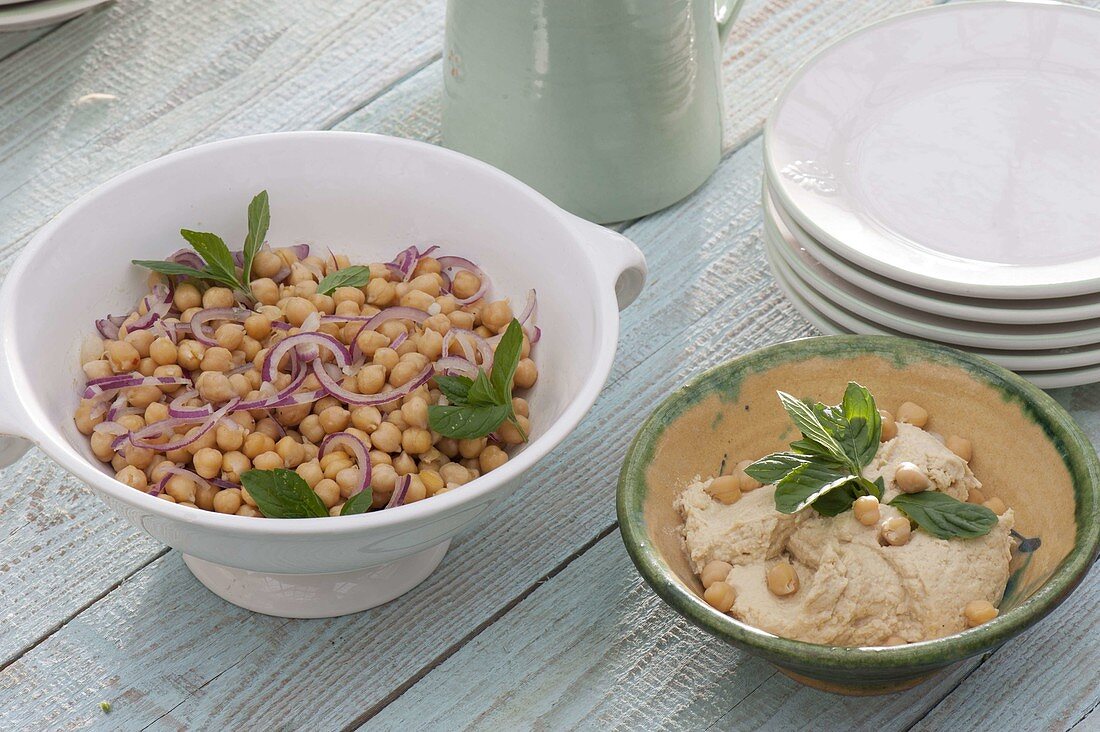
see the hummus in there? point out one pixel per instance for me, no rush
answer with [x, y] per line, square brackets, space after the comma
[853, 591]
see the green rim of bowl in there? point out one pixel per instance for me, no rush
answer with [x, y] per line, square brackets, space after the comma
[1075, 448]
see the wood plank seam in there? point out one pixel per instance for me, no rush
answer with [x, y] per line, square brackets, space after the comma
[455, 647]
[339, 117]
[951, 691]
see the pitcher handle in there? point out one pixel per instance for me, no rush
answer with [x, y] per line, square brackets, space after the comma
[725, 12]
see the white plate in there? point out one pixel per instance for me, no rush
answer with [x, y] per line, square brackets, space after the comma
[996, 336]
[953, 148]
[1054, 379]
[827, 264]
[854, 322]
[45, 12]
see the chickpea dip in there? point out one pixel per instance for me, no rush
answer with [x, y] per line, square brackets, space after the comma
[864, 577]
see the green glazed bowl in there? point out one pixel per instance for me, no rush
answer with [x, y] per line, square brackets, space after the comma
[1027, 451]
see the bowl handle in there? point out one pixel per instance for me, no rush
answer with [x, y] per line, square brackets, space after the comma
[618, 261]
[13, 442]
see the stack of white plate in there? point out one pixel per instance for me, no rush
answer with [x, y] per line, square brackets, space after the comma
[18, 15]
[937, 175]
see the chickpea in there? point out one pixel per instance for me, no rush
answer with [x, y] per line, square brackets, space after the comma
[268, 461]
[454, 473]
[432, 480]
[270, 428]
[417, 491]
[465, 284]
[366, 419]
[895, 531]
[228, 438]
[725, 489]
[745, 481]
[975, 495]
[715, 571]
[249, 511]
[512, 435]
[207, 462]
[118, 462]
[520, 407]
[387, 437]
[720, 596]
[208, 439]
[461, 319]
[142, 396]
[348, 480]
[491, 458]
[866, 510]
[328, 491]
[186, 296]
[265, 291]
[349, 294]
[266, 264]
[430, 344]
[960, 446]
[85, 423]
[913, 414]
[404, 464]
[240, 385]
[381, 293]
[172, 371]
[417, 299]
[291, 451]
[146, 366]
[122, 356]
[311, 428]
[297, 309]
[216, 358]
[438, 323]
[141, 340]
[189, 354]
[181, 488]
[256, 444]
[782, 579]
[383, 478]
[889, 426]
[214, 386]
[415, 412]
[186, 315]
[404, 372]
[416, 441]
[386, 357]
[471, 448]
[369, 341]
[233, 464]
[166, 497]
[98, 369]
[204, 496]
[227, 500]
[496, 315]
[229, 336]
[163, 351]
[310, 472]
[218, 297]
[996, 505]
[324, 304]
[132, 477]
[334, 419]
[101, 446]
[978, 612]
[526, 374]
[911, 479]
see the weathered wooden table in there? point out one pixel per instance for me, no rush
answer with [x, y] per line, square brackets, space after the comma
[537, 618]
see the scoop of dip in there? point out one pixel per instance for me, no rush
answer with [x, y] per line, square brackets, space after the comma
[852, 589]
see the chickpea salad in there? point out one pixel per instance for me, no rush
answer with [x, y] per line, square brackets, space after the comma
[274, 382]
[868, 531]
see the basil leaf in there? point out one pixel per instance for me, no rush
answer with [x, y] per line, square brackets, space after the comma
[455, 388]
[945, 517]
[861, 438]
[806, 484]
[482, 393]
[173, 269]
[774, 467]
[876, 489]
[466, 422]
[806, 419]
[355, 276]
[505, 360]
[219, 261]
[259, 218]
[811, 448]
[282, 493]
[359, 503]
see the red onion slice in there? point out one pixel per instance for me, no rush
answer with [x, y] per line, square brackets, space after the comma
[469, 341]
[371, 322]
[104, 387]
[139, 438]
[370, 400]
[223, 484]
[198, 319]
[283, 347]
[401, 338]
[111, 428]
[177, 410]
[187, 257]
[183, 472]
[399, 491]
[452, 365]
[451, 262]
[358, 450]
[157, 304]
[108, 326]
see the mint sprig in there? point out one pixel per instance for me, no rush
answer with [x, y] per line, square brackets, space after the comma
[220, 267]
[479, 406]
[944, 516]
[355, 276]
[823, 468]
[282, 493]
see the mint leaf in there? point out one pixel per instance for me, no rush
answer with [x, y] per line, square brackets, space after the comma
[774, 467]
[482, 393]
[359, 503]
[282, 493]
[466, 422]
[172, 269]
[806, 419]
[807, 483]
[505, 360]
[837, 501]
[945, 517]
[355, 276]
[219, 261]
[861, 438]
[455, 388]
[259, 218]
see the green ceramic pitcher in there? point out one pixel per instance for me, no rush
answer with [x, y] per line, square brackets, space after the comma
[611, 108]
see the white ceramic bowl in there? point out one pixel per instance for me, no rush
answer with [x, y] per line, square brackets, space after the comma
[369, 196]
